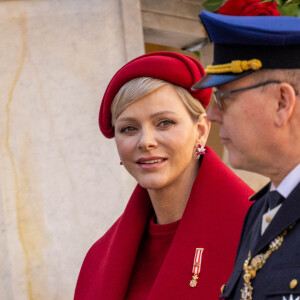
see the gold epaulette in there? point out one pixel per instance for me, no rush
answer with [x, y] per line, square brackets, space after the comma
[236, 66]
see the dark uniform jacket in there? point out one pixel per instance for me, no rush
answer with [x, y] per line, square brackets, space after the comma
[279, 278]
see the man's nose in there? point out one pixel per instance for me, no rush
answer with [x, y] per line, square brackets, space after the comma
[214, 114]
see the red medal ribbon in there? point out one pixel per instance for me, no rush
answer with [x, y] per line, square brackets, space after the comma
[196, 266]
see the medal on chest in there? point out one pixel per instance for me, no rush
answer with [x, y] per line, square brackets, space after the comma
[252, 266]
[196, 266]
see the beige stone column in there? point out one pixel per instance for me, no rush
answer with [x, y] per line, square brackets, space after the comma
[61, 185]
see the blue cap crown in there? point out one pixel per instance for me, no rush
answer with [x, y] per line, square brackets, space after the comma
[258, 30]
[273, 41]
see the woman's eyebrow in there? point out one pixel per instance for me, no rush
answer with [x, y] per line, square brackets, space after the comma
[163, 113]
[122, 119]
[125, 119]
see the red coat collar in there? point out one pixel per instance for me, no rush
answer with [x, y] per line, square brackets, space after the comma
[212, 220]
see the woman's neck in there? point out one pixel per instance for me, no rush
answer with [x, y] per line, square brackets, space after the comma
[169, 202]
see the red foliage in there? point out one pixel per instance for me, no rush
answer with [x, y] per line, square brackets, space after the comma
[249, 8]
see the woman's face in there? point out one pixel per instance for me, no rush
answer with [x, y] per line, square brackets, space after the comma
[156, 139]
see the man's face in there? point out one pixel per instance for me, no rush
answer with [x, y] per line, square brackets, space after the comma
[246, 126]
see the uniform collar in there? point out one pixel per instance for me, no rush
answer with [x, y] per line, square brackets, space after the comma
[260, 193]
[288, 183]
[286, 186]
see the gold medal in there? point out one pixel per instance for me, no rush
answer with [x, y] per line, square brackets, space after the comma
[257, 263]
[193, 282]
[247, 289]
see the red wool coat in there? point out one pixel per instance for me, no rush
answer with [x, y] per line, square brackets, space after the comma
[212, 220]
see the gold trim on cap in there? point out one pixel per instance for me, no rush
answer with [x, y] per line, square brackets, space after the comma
[236, 66]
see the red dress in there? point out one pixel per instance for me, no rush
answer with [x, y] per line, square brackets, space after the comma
[212, 220]
[153, 249]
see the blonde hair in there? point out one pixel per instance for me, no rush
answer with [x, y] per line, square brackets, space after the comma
[138, 88]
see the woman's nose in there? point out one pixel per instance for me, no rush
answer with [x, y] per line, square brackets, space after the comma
[147, 139]
[214, 114]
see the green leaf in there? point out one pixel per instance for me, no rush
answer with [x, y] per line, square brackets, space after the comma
[290, 9]
[263, 1]
[197, 53]
[280, 2]
[291, 1]
[212, 5]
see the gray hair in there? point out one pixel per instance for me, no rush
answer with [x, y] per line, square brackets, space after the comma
[291, 76]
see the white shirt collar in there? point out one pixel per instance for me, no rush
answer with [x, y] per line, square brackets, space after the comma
[288, 183]
[269, 215]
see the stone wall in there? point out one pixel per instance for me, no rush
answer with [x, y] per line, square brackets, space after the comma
[61, 185]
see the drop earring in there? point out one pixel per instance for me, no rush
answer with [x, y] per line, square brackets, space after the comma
[200, 150]
[121, 163]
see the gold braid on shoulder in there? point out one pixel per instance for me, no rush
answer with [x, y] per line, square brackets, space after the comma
[236, 66]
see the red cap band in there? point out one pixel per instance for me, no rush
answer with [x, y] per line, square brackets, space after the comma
[172, 67]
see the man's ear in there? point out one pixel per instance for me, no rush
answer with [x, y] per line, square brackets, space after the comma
[285, 104]
[203, 127]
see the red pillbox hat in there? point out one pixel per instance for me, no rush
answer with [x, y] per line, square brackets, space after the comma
[172, 67]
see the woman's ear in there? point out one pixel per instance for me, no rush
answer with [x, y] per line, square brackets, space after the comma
[285, 104]
[203, 127]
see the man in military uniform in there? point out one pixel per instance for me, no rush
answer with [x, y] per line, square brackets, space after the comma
[256, 73]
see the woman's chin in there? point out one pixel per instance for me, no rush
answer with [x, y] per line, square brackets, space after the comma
[152, 184]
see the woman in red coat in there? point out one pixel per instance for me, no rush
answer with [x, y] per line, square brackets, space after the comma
[178, 235]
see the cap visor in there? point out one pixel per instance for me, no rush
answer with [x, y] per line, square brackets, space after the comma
[211, 80]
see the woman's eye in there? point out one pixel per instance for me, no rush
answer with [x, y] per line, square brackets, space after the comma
[166, 123]
[127, 129]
